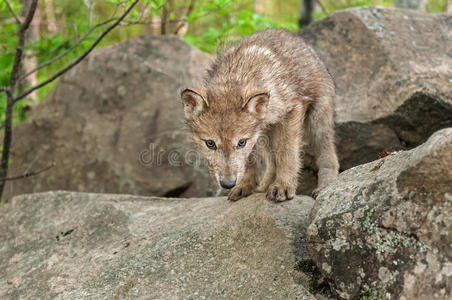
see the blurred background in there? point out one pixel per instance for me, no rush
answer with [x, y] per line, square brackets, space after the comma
[59, 26]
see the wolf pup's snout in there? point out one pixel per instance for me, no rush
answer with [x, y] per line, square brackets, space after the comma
[228, 183]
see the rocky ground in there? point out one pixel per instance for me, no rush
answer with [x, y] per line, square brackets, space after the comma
[114, 125]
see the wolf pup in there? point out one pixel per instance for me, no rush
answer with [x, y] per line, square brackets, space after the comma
[268, 84]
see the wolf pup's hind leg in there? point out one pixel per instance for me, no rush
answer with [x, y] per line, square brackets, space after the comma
[321, 135]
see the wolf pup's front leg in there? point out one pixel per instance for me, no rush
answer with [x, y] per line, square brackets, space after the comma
[286, 144]
[248, 184]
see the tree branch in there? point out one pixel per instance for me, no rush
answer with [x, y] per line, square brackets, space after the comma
[80, 58]
[325, 11]
[28, 174]
[45, 64]
[190, 9]
[20, 46]
[164, 17]
[6, 90]
[12, 11]
[146, 22]
[8, 129]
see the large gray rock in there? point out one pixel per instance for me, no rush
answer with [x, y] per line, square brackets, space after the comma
[393, 75]
[95, 246]
[383, 229]
[115, 124]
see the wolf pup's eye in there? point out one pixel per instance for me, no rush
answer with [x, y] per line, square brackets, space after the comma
[241, 143]
[211, 144]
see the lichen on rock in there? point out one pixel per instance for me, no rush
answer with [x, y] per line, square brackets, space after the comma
[387, 231]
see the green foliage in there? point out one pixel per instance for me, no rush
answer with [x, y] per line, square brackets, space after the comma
[8, 39]
[212, 23]
[437, 6]
[230, 24]
[73, 22]
[333, 5]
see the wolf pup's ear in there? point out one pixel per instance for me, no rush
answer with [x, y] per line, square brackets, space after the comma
[194, 102]
[257, 104]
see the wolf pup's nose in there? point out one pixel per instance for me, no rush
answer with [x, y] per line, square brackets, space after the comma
[227, 183]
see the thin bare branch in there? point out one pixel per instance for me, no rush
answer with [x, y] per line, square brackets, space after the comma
[190, 9]
[164, 17]
[80, 58]
[90, 5]
[20, 46]
[6, 90]
[6, 45]
[116, 10]
[69, 50]
[28, 174]
[178, 20]
[11, 10]
[325, 11]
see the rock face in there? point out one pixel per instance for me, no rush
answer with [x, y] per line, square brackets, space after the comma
[383, 229]
[380, 57]
[75, 246]
[393, 75]
[114, 124]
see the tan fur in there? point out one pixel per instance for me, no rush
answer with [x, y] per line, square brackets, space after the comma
[269, 86]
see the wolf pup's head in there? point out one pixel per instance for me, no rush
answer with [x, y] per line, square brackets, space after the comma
[226, 126]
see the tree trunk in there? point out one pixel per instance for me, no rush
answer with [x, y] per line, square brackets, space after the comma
[30, 62]
[166, 10]
[182, 25]
[306, 13]
[423, 5]
[50, 17]
[155, 25]
[8, 129]
[263, 7]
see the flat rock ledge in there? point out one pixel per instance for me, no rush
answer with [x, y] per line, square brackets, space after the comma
[64, 245]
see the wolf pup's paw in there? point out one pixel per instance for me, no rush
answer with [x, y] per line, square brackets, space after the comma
[241, 191]
[315, 192]
[278, 192]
